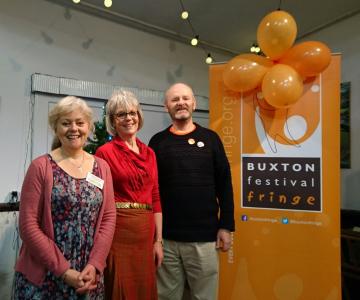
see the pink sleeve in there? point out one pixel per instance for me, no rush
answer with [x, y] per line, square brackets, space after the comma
[40, 245]
[106, 227]
[155, 191]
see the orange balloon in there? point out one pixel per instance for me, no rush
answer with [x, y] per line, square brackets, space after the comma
[276, 33]
[244, 72]
[282, 86]
[308, 58]
[261, 60]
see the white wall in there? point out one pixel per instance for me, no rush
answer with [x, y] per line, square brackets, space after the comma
[344, 37]
[35, 36]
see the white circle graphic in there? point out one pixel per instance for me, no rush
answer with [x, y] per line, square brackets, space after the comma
[315, 88]
[295, 127]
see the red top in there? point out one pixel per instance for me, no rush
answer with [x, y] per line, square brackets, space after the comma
[135, 176]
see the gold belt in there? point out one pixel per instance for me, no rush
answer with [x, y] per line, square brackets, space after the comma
[133, 205]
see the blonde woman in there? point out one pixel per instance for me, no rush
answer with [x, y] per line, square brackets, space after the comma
[137, 246]
[67, 214]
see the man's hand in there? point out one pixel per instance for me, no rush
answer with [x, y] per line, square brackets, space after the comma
[223, 240]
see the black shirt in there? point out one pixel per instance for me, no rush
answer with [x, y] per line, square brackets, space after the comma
[195, 185]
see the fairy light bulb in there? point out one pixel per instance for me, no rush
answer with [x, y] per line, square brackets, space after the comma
[195, 40]
[209, 59]
[184, 15]
[107, 3]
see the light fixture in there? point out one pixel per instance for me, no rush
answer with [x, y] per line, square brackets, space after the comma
[107, 3]
[86, 45]
[209, 59]
[76, 1]
[47, 38]
[255, 49]
[184, 15]
[110, 72]
[195, 40]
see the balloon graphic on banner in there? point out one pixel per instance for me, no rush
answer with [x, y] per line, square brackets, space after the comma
[308, 58]
[245, 72]
[282, 86]
[276, 33]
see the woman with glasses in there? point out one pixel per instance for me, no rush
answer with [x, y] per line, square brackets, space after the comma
[136, 250]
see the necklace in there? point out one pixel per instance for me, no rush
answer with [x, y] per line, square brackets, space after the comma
[79, 167]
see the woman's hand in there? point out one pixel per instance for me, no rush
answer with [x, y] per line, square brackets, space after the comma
[158, 253]
[72, 278]
[88, 276]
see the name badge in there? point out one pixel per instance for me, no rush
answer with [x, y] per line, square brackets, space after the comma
[97, 181]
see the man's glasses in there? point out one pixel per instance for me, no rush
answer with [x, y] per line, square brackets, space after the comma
[122, 115]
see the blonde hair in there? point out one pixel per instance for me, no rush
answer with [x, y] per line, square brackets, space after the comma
[63, 107]
[125, 101]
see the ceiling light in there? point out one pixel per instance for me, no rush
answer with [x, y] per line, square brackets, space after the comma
[209, 59]
[76, 1]
[107, 3]
[184, 15]
[255, 49]
[195, 40]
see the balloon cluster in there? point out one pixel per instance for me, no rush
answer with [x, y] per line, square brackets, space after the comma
[282, 72]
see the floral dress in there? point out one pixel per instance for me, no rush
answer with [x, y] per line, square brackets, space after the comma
[75, 205]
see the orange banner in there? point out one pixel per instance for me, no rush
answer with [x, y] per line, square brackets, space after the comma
[285, 167]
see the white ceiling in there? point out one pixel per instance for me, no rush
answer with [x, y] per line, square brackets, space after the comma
[227, 26]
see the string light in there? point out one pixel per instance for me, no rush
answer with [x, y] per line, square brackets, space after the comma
[208, 59]
[107, 3]
[184, 15]
[255, 49]
[76, 1]
[195, 40]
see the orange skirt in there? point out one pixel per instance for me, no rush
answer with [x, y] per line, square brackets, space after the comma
[130, 272]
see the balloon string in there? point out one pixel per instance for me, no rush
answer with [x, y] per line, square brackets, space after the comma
[279, 8]
[277, 137]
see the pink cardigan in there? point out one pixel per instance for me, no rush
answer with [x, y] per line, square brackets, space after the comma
[39, 253]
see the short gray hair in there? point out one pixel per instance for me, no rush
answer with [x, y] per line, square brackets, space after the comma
[121, 100]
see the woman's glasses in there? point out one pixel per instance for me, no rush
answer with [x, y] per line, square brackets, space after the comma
[122, 115]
